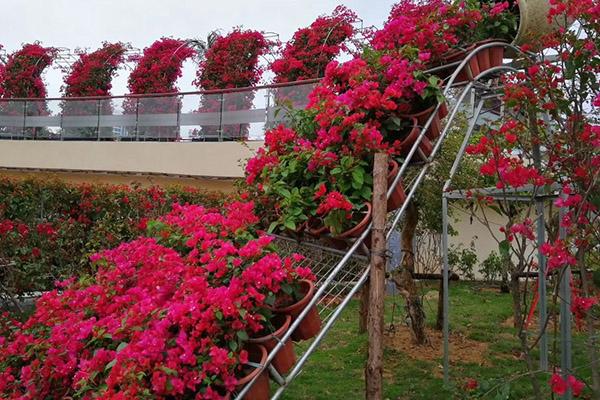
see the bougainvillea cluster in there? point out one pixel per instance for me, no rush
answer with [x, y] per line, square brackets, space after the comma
[158, 68]
[23, 71]
[48, 229]
[92, 73]
[309, 51]
[155, 322]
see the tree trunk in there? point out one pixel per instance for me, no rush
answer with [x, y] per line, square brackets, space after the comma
[363, 313]
[515, 291]
[403, 277]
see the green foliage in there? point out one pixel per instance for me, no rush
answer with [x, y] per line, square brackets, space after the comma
[493, 268]
[463, 260]
[48, 229]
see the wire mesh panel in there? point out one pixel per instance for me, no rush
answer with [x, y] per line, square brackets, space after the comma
[322, 261]
[12, 119]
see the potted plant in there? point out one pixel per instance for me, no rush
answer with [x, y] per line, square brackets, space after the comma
[275, 327]
[423, 103]
[257, 358]
[292, 301]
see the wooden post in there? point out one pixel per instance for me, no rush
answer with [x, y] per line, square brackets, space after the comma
[363, 313]
[374, 368]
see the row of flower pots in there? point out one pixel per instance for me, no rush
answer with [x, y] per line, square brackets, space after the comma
[483, 60]
[261, 345]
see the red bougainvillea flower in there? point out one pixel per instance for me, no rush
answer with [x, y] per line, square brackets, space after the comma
[559, 385]
[334, 201]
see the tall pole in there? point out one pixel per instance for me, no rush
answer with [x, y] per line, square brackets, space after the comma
[374, 368]
[565, 314]
[541, 239]
[446, 299]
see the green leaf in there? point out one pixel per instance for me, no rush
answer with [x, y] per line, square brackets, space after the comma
[110, 364]
[290, 225]
[121, 346]
[242, 335]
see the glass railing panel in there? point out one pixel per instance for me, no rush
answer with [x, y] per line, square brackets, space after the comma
[42, 120]
[117, 119]
[201, 117]
[80, 119]
[12, 119]
[158, 118]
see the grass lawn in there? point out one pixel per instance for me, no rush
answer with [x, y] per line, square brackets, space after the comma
[484, 344]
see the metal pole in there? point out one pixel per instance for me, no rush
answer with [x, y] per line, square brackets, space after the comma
[137, 116]
[446, 297]
[221, 107]
[98, 120]
[565, 314]
[542, 296]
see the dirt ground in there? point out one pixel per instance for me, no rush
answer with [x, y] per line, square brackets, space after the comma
[463, 350]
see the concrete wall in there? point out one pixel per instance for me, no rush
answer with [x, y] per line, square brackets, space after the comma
[201, 159]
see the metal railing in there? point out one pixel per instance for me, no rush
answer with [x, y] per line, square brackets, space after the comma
[224, 115]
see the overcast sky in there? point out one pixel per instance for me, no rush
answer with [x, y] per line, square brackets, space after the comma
[86, 23]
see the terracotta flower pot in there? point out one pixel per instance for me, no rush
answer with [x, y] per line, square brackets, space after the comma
[285, 358]
[433, 132]
[483, 56]
[315, 227]
[407, 142]
[311, 324]
[260, 389]
[359, 228]
[398, 196]
[463, 76]
[496, 56]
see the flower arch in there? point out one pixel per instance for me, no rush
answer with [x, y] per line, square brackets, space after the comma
[23, 71]
[313, 47]
[92, 73]
[159, 67]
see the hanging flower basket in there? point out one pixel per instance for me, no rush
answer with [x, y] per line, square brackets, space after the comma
[398, 196]
[533, 22]
[311, 323]
[285, 358]
[260, 390]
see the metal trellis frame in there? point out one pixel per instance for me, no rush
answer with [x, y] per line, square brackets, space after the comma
[343, 274]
